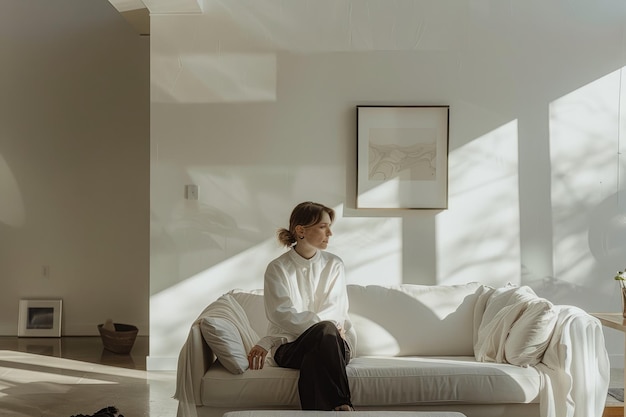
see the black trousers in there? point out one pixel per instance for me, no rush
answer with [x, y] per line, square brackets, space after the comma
[321, 355]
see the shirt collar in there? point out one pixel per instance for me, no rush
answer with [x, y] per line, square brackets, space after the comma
[295, 256]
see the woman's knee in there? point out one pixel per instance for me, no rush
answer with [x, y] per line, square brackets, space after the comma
[328, 325]
[325, 328]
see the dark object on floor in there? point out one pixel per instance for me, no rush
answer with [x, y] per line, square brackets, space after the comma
[105, 412]
[119, 341]
[617, 393]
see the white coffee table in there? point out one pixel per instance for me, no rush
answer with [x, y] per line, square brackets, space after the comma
[301, 413]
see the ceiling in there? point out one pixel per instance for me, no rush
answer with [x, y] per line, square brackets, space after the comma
[324, 25]
[136, 14]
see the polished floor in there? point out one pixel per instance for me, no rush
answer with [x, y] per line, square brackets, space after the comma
[63, 377]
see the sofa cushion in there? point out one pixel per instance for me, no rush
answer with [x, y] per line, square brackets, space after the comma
[254, 306]
[380, 381]
[225, 341]
[270, 387]
[531, 333]
[414, 380]
[226, 329]
[408, 319]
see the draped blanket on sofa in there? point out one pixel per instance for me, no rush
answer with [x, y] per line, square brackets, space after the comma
[518, 327]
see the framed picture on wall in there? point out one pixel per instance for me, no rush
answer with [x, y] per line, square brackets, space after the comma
[39, 318]
[402, 157]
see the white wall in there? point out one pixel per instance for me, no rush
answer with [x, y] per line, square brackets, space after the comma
[74, 163]
[255, 103]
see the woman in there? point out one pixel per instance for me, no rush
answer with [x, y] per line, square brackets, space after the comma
[306, 304]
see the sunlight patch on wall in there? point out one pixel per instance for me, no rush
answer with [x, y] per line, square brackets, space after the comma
[235, 211]
[240, 206]
[189, 297]
[584, 153]
[12, 212]
[472, 246]
[220, 78]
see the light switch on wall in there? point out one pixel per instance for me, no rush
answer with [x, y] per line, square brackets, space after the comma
[191, 192]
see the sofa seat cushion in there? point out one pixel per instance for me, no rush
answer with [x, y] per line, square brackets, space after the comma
[377, 381]
[270, 387]
[417, 380]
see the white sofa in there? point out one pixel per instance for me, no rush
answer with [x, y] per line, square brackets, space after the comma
[437, 348]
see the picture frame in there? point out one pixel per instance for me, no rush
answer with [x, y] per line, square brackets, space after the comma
[402, 157]
[39, 318]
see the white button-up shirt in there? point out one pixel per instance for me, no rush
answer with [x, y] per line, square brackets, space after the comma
[300, 292]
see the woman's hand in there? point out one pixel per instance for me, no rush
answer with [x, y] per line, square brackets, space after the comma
[256, 357]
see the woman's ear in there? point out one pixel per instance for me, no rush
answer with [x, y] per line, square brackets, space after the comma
[299, 230]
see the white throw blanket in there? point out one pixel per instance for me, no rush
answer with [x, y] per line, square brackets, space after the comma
[225, 307]
[500, 312]
[492, 336]
[575, 380]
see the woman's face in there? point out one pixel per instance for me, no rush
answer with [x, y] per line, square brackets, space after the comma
[317, 236]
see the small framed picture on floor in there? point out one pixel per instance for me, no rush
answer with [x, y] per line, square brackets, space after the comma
[39, 318]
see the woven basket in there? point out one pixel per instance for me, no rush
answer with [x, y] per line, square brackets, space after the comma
[119, 341]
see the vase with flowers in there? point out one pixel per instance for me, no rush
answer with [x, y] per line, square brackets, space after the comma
[621, 278]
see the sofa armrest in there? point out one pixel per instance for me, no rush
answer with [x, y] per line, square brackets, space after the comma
[201, 357]
[194, 361]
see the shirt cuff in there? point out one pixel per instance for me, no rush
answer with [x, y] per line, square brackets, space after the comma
[271, 342]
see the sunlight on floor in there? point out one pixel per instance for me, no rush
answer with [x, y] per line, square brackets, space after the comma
[36, 385]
